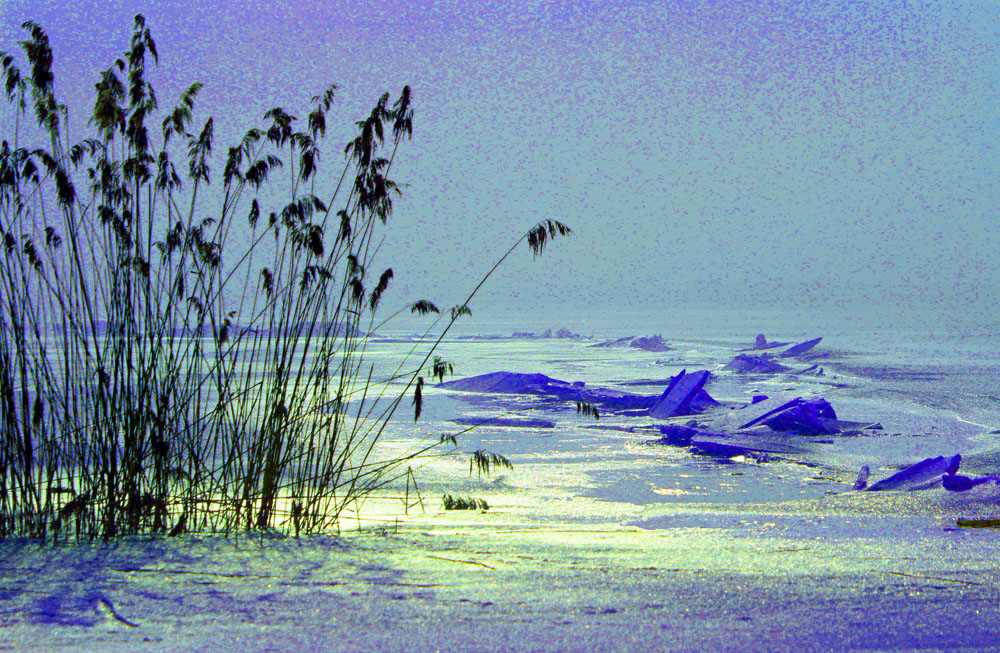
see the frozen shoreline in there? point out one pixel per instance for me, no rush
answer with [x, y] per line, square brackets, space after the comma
[854, 571]
[598, 540]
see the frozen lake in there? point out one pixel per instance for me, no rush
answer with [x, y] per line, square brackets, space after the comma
[601, 537]
[931, 394]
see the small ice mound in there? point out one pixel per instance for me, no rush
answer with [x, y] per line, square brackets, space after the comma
[561, 333]
[646, 343]
[503, 383]
[650, 343]
[748, 364]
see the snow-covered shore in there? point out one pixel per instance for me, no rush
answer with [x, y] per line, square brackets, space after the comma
[854, 571]
[599, 539]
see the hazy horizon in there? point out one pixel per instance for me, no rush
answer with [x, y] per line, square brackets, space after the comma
[828, 159]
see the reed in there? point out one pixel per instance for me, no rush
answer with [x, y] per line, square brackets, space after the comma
[460, 503]
[175, 359]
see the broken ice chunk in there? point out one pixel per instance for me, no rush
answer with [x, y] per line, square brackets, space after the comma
[862, 480]
[919, 474]
[503, 382]
[651, 343]
[753, 414]
[812, 370]
[760, 342]
[677, 435]
[814, 416]
[717, 444]
[747, 364]
[801, 348]
[679, 395]
[959, 483]
[512, 422]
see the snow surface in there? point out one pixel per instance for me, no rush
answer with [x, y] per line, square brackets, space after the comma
[599, 539]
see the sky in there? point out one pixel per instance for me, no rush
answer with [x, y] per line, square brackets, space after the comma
[830, 158]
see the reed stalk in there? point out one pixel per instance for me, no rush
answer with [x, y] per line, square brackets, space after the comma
[177, 355]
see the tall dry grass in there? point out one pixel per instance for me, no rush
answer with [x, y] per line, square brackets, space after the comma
[173, 359]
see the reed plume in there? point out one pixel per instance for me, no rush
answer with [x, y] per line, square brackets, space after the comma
[174, 359]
